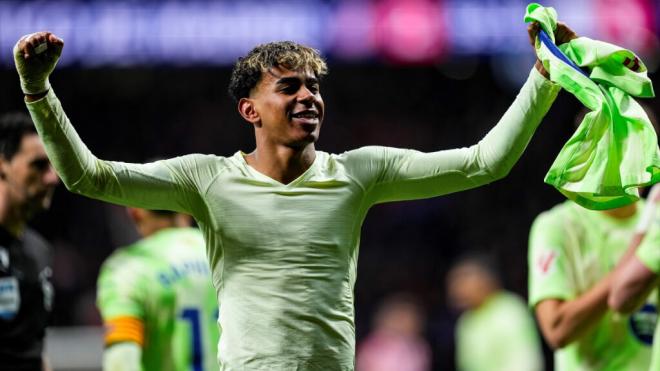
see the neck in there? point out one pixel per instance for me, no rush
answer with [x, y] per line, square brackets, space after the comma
[11, 218]
[622, 212]
[487, 294]
[282, 163]
[146, 229]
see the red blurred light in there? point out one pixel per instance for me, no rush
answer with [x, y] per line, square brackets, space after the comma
[410, 31]
[627, 23]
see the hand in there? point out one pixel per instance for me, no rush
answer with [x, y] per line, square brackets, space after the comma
[563, 34]
[35, 56]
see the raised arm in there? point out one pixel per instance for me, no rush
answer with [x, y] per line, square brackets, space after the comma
[406, 174]
[160, 185]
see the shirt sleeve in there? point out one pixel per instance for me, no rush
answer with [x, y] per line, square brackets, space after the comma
[168, 185]
[390, 174]
[123, 357]
[549, 268]
[121, 289]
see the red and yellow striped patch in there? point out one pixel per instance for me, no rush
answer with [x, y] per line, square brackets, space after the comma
[125, 328]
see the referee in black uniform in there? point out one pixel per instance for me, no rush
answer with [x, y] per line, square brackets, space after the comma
[27, 182]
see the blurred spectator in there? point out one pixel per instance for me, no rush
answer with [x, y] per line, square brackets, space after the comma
[27, 183]
[396, 342]
[496, 330]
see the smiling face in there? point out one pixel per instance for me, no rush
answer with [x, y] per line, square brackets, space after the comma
[276, 86]
[285, 107]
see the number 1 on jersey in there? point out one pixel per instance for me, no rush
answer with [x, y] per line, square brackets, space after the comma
[192, 315]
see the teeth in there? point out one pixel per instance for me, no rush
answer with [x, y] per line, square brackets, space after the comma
[307, 115]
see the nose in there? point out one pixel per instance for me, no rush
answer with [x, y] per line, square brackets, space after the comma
[50, 177]
[305, 95]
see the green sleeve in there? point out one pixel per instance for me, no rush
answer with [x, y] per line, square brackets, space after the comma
[169, 185]
[549, 272]
[648, 251]
[390, 174]
[121, 288]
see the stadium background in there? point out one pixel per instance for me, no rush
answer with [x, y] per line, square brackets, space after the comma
[141, 80]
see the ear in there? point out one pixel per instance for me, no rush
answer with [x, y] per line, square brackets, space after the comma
[247, 109]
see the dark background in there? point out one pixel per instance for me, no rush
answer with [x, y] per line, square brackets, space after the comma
[137, 114]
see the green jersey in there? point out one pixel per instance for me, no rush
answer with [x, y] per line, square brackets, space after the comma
[571, 249]
[500, 335]
[648, 253]
[615, 149]
[284, 256]
[165, 282]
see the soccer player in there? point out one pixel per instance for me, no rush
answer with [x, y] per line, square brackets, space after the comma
[157, 301]
[572, 256]
[27, 183]
[639, 275]
[495, 332]
[281, 223]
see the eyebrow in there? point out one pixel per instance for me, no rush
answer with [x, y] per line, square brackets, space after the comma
[291, 79]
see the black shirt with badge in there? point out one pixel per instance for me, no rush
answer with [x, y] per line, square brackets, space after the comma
[26, 298]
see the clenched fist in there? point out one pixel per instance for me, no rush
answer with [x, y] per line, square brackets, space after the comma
[35, 56]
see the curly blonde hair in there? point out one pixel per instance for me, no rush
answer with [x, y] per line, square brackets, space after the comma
[288, 54]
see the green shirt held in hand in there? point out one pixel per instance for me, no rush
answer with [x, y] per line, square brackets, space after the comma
[615, 149]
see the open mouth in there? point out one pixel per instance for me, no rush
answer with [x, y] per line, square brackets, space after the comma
[306, 115]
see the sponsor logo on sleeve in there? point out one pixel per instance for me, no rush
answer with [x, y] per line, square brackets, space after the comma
[546, 261]
[4, 259]
[47, 288]
[10, 298]
[642, 323]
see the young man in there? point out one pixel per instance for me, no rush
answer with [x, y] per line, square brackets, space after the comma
[156, 299]
[282, 223]
[27, 182]
[573, 253]
[495, 332]
[639, 275]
